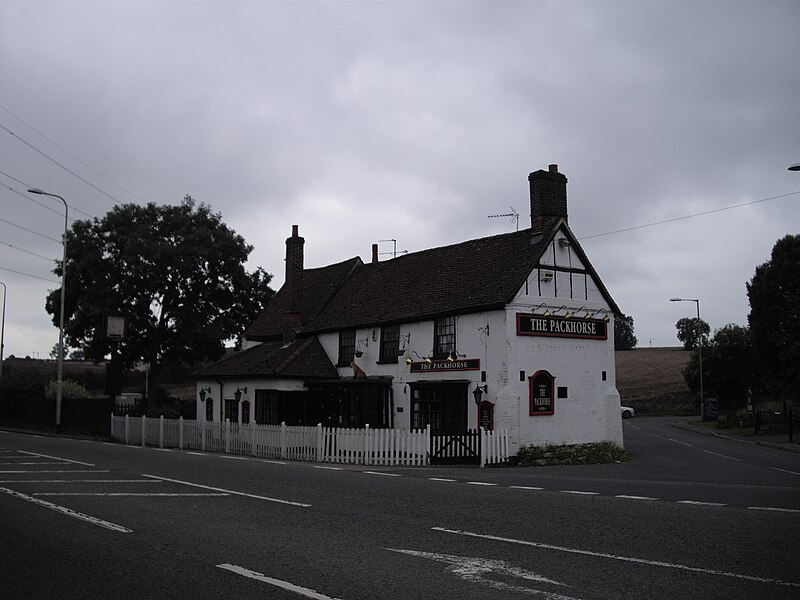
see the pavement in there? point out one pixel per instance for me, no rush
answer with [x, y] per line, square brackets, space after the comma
[779, 441]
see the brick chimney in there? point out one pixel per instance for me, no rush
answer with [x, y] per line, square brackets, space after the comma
[548, 197]
[374, 253]
[293, 285]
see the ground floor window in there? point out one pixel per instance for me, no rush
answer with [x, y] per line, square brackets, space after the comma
[231, 410]
[351, 404]
[443, 406]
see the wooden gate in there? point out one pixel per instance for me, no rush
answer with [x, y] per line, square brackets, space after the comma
[456, 447]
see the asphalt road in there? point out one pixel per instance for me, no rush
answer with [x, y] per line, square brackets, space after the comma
[693, 516]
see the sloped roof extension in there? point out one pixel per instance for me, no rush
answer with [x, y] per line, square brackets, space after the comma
[305, 358]
[319, 285]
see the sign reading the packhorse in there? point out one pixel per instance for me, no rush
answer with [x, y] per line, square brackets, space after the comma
[469, 364]
[541, 387]
[552, 326]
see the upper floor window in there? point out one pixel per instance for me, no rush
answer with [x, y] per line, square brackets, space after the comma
[444, 337]
[390, 343]
[347, 347]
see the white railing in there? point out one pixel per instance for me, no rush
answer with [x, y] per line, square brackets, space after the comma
[367, 446]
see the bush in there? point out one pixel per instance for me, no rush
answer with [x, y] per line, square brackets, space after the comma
[572, 454]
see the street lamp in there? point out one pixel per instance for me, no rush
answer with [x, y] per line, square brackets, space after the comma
[699, 349]
[2, 332]
[60, 359]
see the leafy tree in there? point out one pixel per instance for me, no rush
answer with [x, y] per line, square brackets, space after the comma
[728, 366]
[688, 332]
[175, 272]
[774, 318]
[623, 333]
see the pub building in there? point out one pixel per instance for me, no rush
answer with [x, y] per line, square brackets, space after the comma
[512, 331]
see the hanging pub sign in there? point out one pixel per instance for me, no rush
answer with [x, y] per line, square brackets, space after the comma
[437, 366]
[542, 399]
[553, 326]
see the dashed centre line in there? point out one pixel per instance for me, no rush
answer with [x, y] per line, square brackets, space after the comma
[579, 492]
[627, 497]
[382, 473]
[480, 483]
[723, 455]
[785, 471]
[233, 492]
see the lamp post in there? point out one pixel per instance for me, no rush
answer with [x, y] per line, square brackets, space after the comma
[699, 349]
[60, 359]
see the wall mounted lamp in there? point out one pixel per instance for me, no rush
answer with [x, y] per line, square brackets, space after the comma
[410, 360]
[203, 392]
[546, 309]
[454, 355]
[563, 242]
[403, 343]
[238, 393]
[479, 391]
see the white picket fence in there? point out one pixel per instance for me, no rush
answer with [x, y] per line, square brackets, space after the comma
[312, 444]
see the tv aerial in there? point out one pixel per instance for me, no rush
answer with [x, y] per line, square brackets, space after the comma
[513, 214]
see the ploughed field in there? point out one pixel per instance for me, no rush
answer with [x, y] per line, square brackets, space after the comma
[651, 381]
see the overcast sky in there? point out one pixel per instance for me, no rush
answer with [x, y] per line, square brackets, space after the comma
[413, 121]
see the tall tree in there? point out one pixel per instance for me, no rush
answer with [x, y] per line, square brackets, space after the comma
[690, 330]
[177, 274]
[728, 367]
[774, 318]
[623, 333]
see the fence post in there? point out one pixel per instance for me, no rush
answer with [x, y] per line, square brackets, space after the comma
[203, 436]
[320, 443]
[366, 445]
[180, 432]
[283, 439]
[144, 430]
[127, 427]
[161, 431]
[428, 445]
[483, 442]
[227, 436]
[253, 449]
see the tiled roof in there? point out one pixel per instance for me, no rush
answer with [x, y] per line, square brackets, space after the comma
[318, 287]
[303, 358]
[476, 275]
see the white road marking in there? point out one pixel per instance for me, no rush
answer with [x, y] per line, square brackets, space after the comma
[635, 427]
[440, 479]
[234, 457]
[384, 474]
[526, 487]
[680, 442]
[480, 483]
[67, 511]
[578, 492]
[774, 509]
[60, 471]
[28, 464]
[284, 585]
[722, 455]
[164, 494]
[235, 493]
[162, 449]
[785, 471]
[326, 468]
[635, 497]
[197, 453]
[274, 462]
[474, 570]
[67, 460]
[631, 559]
[80, 481]
[699, 503]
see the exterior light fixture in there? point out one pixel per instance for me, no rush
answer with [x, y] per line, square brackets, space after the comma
[203, 392]
[238, 393]
[479, 391]
[409, 360]
[563, 242]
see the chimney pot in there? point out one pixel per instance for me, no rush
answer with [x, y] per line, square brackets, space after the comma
[295, 231]
[374, 253]
[553, 168]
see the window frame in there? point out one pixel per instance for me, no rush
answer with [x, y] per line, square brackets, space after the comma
[390, 344]
[444, 336]
[347, 348]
